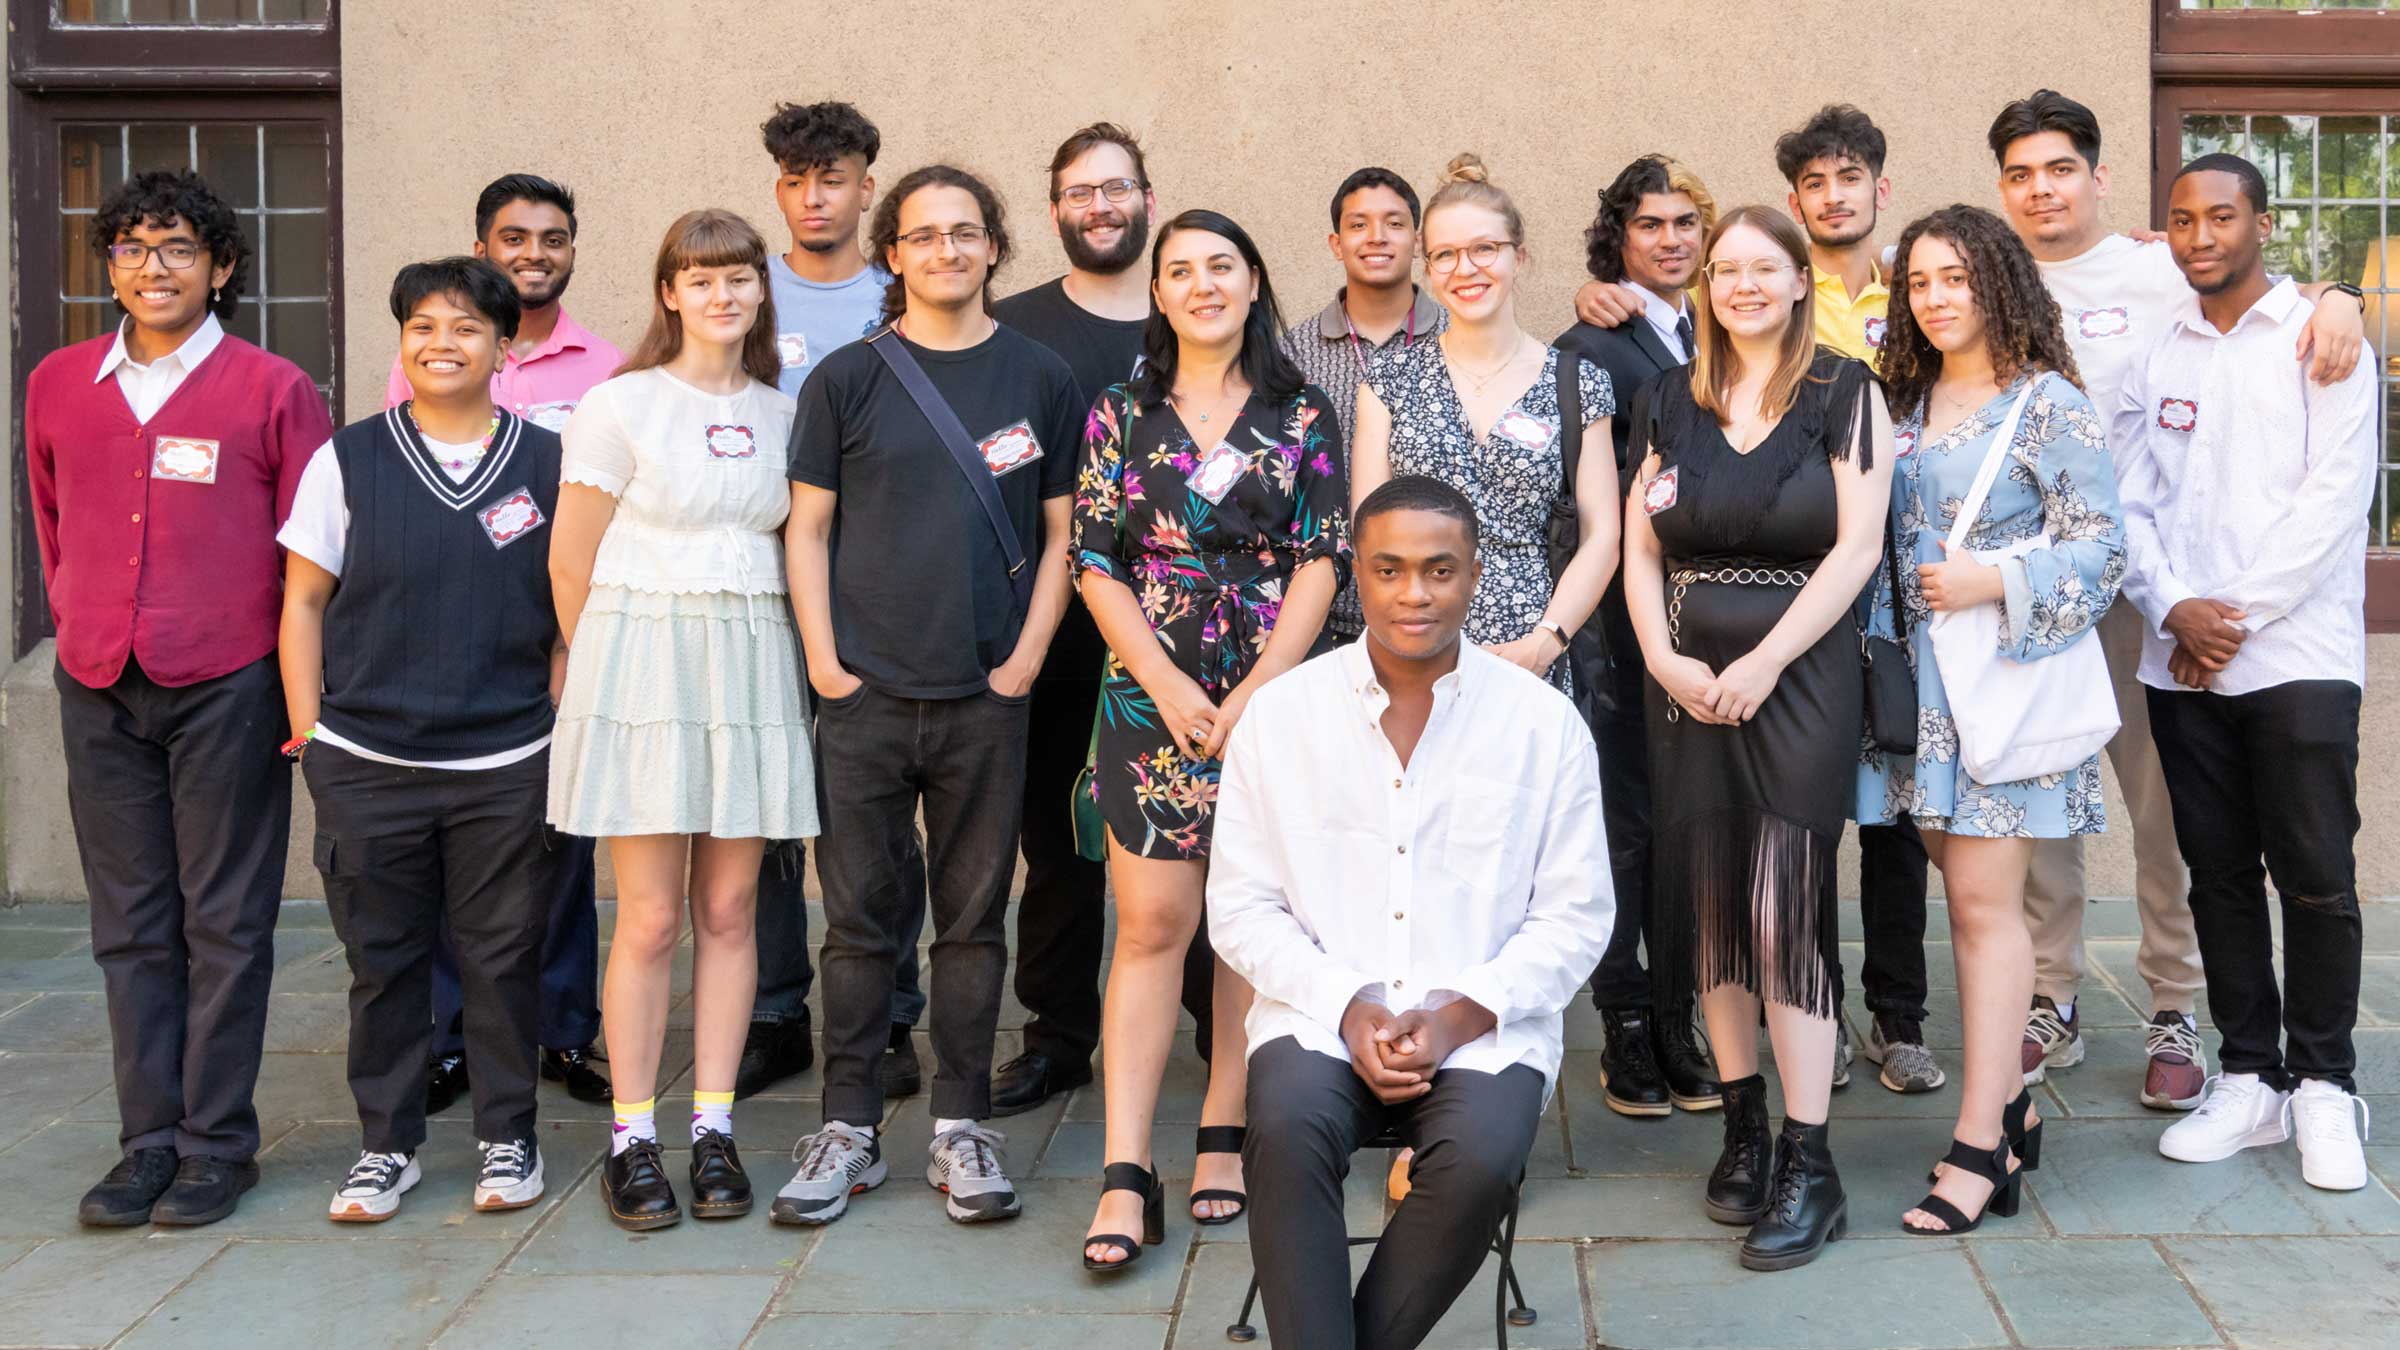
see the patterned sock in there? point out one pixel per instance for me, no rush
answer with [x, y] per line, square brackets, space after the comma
[635, 1121]
[943, 1125]
[712, 1111]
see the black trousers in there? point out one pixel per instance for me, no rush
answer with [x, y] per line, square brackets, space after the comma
[1621, 981]
[784, 973]
[401, 850]
[1061, 919]
[963, 760]
[570, 961]
[1308, 1113]
[2266, 784]
[182, 811]
[1891, 904]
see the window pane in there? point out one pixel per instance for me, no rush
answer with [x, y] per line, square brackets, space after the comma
[296, 256]
[2283, 149]
[2352, 157]
[2291, 4]
[2215, 135]
[303, 333]
[86, 320]
[244, 323]
[81, 272]
[159, 145]
[229, 161]
[297, 165]
[186, 13]
[250, 236]
[91, 161]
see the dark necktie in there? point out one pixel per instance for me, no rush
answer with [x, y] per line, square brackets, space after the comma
[1683, 333]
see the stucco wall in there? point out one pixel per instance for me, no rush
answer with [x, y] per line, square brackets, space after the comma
[1255, 107]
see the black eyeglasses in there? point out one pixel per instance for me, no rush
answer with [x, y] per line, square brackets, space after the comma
[129, 256]
[1117, 191]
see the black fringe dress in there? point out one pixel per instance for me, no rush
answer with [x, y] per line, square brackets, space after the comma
[1747, 818]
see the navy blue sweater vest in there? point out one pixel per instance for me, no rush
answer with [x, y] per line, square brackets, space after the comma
[438, 636]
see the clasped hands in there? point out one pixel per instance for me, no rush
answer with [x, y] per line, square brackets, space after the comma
[1397, 1054]
[2207, 633]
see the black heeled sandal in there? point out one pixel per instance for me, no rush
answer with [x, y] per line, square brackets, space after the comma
[2007, 1189]
[2025, 1143]
[1125, 1176]
[1220, 1139]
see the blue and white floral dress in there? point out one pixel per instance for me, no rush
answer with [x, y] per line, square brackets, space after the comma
[2059, 478]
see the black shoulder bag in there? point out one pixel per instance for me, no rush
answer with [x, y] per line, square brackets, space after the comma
[1587, 650]
[1891, 682]
[954, 438]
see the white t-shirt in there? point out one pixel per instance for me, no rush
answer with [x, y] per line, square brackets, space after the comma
[318, 531]
[2114, 298]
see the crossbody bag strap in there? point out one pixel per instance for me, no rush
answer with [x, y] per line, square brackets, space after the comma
[954, 438]
[1989, 474]
[1570, 416]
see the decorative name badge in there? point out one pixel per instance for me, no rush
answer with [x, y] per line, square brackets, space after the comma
[1217, 472]
[549, 416]
[511, 518]
[731, 442]
[1526, 429]
[2104, 323]
[2178, 414]
[1011, 447]
[184, 459]
[1904, 444]
[1660, 494]
[792, 349]
[1875, 327]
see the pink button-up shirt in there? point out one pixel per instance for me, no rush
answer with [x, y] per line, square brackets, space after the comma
[544, 385]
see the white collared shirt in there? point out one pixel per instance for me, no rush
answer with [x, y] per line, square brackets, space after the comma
[1662, 314]
[147, 387]
[1478, 871]
[2245, 482]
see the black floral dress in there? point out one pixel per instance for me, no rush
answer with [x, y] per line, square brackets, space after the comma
[1206, 539]
[1514, 476]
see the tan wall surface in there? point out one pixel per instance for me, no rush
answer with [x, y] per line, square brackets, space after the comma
[1255, 107]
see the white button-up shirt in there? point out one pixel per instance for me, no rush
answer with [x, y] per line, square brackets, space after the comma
[2246, 483]
[1478, 871]
[148, 387]
[1663, 315]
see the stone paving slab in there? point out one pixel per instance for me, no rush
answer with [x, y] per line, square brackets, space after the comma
[2305, 1295]
[1674, 1295]
[2102, 1291]
[56, 1294]
[868, 1331]
[38, 1089]
[359, 1296]
[610, 1312]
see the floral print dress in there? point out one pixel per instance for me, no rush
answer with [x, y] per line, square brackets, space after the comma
[1207, 539]
[2058, 480]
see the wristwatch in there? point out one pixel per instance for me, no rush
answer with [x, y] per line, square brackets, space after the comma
[2347, 289]
[1557, 629]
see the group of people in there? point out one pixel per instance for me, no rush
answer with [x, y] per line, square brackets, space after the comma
[1401, 673]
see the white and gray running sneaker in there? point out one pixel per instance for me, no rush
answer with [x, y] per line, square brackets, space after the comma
[1841, 1051]
[1898, 1045]
[965, 1166]
[512, 1175]
[2327, 1121]
[836, 1162]
[372, 1191]
[2237, 1111]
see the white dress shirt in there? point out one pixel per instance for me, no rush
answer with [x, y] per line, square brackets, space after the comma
[2245, 482]
[1478, 871]
[1662, 314]
[148, 387]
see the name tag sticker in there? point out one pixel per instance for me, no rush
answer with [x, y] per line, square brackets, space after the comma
[792, 349]
[731, 442]
[1904, 444]
[184, 459]
[549, 416]
[1659, 494]
[1011, 447]
[2104, 323]
[511, 518]
[1875, 327]
[2178, 414]
[1217, 472]
[1526, 430]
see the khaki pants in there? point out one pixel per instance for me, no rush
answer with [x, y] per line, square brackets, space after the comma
[2169, 956]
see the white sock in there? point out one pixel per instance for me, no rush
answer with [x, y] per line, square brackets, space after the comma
[942, 1126]
[2066, 1011]
[712, 1111]
[635, 1121]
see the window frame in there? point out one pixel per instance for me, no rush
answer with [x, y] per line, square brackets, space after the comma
[2273, 35]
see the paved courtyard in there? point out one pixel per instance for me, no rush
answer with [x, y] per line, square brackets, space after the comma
[2119, 1248]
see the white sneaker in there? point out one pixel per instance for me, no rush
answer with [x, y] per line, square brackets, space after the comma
[965, 1166]
[511, 1177]
[2327, 1121]
[372, 1191]
[2238, 1111]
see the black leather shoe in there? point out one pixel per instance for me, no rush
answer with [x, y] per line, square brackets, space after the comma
[1691, 1079]
[635, 1187]
[124, 1197]
[1737, 1185]
[1805, 1205]
[445, 1082]
[720, 1188]
[776, 1048]
[574, 1068]
[899, 1072]
[1630, 1083]
[205, 1190]
[1032, 1078]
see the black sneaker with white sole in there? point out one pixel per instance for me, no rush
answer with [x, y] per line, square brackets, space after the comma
[512, 1175]
[836, 1162]
[965, 1167]
[372, 1191]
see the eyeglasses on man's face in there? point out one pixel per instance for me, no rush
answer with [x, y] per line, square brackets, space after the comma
[1483, 253]
[1117, 192]
[1757, 271]
[965, 236]
[129, 255]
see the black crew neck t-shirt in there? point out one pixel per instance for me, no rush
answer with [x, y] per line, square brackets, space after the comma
[922, 606]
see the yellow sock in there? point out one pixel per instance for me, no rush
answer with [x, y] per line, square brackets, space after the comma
[712, 1111]
[635, 1121]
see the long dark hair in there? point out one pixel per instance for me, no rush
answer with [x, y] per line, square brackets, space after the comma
[2021, 327]
[709, 237]
[883, 233]
[1263, 363]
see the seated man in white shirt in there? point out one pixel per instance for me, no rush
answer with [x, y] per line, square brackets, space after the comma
[2246, 490]
[1412, 873]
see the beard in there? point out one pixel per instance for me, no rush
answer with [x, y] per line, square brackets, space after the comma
[549, 294]
[1859, 227]
[819, 245]
[1127, 251]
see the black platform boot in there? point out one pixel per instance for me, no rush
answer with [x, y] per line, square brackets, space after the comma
[1805, 1206]
[1737, 1185]
[1691, 1079]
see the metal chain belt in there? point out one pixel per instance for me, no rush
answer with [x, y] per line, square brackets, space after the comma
[1731, 576]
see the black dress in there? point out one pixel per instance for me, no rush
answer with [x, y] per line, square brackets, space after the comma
[1748, 817]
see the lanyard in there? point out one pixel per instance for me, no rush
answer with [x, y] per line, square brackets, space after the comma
[1358, 352]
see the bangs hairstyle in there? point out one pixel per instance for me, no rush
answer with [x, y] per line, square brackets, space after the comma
[1376, 177]
[2021, 328]
[883, 233]
[1416, 492]
[521, 187]
[1715, 367]
[1089, 138]
[809, 136]
[1466, 182]
[2045, 110]
[475, 284]
[1263, 363]
[1604, 239]
[154, 198]
[1839, 131]
[710, 237]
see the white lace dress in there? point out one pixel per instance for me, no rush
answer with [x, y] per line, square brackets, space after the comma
[683, 712]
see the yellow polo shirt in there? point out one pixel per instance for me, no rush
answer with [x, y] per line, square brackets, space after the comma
[1851, 325]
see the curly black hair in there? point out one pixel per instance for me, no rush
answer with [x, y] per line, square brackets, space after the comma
[2021, 327]
[1838, 131]
[159, 196]
[809, 136]
[1604, 239]
[883, 233]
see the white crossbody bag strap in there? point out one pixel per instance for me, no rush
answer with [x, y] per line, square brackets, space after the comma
[1985, 477]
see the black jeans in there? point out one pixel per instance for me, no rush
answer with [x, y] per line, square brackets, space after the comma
[2266, 784]
[1891, 904]
[402, 849]
[963, 759]
[570, 997]
[182, 810]
[1308, 1113]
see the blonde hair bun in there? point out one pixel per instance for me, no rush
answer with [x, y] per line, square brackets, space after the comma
[1467, 167]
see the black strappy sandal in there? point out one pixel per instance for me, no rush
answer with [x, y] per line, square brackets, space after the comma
[1220, 1139]
[1125, 1176]
[2025, 1143]
[2007, 1189]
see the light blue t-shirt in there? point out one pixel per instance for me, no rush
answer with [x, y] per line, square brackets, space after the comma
[812, 318]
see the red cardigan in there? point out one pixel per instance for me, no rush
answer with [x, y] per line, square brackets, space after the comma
[158, 539]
